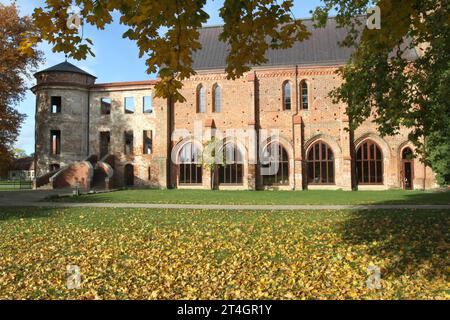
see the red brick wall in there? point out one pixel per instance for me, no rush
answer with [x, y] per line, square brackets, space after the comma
[299, 129]
[251, 102]
[77, 174]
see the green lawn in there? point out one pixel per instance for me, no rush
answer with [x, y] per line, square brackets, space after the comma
[266, 197]
[10, 185]
[162, 254]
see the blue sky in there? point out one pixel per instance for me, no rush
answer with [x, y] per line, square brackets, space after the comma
[116, 59]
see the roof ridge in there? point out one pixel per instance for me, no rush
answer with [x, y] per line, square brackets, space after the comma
[65, 66]
[302, 19]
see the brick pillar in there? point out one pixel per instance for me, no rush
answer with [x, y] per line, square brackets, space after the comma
[209, 126]
[252, 156]
[298, 153]
[251, 177]
[252, 140]
[346, 160]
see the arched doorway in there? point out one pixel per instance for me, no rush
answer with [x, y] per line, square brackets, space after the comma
[129, 175]
[407, 172]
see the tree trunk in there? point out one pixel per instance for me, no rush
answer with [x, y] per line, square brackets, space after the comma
[353, 173]
[213, 179]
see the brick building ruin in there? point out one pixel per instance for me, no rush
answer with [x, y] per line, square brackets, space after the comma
[119, 134]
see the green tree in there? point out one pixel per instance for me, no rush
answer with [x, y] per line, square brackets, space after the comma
[213, 158]
[399, 74]
[166, 32]
[17, 60]
[19, 153]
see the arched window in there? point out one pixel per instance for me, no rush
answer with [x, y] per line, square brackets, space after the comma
[286, 96]
[407, 154]
[369, 163]
[217, 98]
[320, 164]
[275, 165]
[201, 99]
[232, 171]
[190, 172]
[304, 95]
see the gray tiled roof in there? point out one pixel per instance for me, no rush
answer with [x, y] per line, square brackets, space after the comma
[322, 48]
[66, 67]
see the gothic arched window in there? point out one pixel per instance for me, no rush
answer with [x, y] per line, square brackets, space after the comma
[304, 95]
[190, 172]
[275, 166]
[369, 163]
[287, 96]
[232, 171]
[201, 99]
[320, 164]
[217, 98]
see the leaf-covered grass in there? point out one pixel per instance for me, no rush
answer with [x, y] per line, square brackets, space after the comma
[266, 197]
[177, 254]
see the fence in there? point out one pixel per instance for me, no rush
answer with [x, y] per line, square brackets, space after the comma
[16, 185]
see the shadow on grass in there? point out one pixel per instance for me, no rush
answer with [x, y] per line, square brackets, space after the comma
[419, 197]
[26, 213]
[403, 241]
